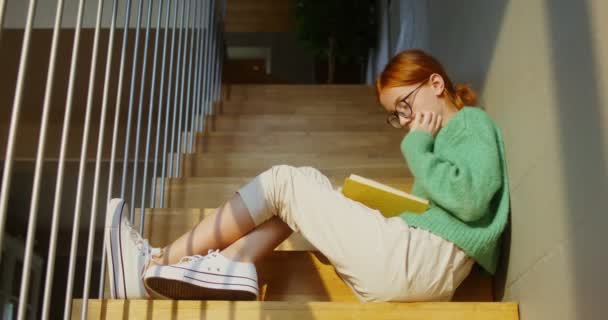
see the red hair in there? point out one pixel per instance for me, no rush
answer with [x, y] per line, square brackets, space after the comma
[415, 66]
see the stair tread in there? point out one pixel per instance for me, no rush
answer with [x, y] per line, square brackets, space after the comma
[165, 309]
[337, 142]
[320, 156]
[304, 133]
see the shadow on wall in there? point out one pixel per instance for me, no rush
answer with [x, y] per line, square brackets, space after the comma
[579, 117]
[579, 112]
[483, 29]
[455, 54]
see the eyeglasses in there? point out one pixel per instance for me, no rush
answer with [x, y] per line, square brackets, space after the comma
[402, 109]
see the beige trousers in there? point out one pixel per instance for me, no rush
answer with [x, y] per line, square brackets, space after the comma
[379, 258]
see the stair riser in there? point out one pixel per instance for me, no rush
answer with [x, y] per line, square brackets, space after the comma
[211, 193]
[338, 122]
[334, 109]
[204, 165]
[289, 90]
[334, 144]
[371, 173]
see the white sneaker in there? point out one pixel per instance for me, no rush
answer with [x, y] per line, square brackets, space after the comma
[127, 253]
[210, 277]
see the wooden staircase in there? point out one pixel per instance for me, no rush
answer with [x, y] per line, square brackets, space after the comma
[339, 130]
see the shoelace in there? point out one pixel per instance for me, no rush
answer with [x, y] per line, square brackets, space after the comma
[142, 246]
[197, 257]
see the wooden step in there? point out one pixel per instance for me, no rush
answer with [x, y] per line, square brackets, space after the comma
[362, 103]
[282, 90]
[213, 192]
[229, 310]
[235, 164]
[369, 142]
[369, 108]
[295, 122]
[315, 278]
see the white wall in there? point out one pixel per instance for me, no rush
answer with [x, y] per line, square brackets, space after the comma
[542, 70]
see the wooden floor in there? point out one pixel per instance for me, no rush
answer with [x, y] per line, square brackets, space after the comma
[230, 310]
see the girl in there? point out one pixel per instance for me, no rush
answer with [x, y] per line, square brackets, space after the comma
[456, 155]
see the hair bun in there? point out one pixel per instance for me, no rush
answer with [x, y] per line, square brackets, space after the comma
[466, 94]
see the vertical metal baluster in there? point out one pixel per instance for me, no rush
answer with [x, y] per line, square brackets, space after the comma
[150, 113]
[218, 61]
[222, 48]
[220, 51]
[189, 84]
[208, 61]
[131, 97]
[212, 82]
[83, 154]
[123, 56]
[181, 99]
[204, 64]
[160, 102]
[213, 58]
[167, 115]
[31, 228]
[199, 69]
[177, 77]
[61, 165]
[2, 7]
[102, 128]
[144, 71]
[12, 135]
[196, 78]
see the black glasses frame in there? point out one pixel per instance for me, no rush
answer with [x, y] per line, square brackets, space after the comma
[393, 118]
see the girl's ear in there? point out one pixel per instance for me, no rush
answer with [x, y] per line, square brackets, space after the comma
[437, 84]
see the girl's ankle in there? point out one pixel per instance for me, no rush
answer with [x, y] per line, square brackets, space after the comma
[157, 258]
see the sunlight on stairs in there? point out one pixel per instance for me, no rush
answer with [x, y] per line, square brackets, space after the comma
[338, 129]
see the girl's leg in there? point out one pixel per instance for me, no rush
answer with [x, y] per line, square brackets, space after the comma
[230, 228]
[367, 249]
[258, 243]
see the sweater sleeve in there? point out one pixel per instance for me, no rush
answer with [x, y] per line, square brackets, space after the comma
[465, 183]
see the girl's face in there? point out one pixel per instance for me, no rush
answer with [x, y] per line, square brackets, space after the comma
[420, 97]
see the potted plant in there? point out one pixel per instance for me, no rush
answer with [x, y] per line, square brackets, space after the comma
[338, 33]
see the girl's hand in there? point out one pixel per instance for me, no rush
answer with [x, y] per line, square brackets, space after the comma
[428, 122]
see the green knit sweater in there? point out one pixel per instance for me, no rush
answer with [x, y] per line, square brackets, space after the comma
[463, 173]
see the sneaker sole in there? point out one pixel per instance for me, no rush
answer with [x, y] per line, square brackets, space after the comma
[172, 283]
[181, 290]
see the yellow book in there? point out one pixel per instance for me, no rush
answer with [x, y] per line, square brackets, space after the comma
[388, 200]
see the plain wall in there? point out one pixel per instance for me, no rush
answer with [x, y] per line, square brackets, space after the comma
[541, 68]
